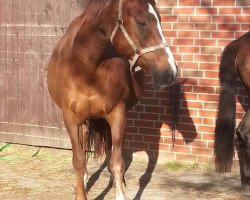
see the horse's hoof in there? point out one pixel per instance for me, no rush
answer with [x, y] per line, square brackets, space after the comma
[80, 198]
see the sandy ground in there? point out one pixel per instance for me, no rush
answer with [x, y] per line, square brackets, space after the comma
[50, 175]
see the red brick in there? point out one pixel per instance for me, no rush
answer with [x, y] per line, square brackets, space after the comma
[180, 149]
[189, 3]
[167, 3]
[224, 42]
[210, 105]
[138, 138]
[129, 136]
[205, 58]
[206, 2]
[188, 49]
[166, 26]
[208, 11]
[193, 120]
[167, 18]
[207, 113]
[205, 34]
[188, 34]
[208, 121]
[209, 82]
[143, 123]
[206, 129]
[148, 131]
[190, 104]
[181, 10]
[224, 3]
[148, 116]
[207, 136]
[202, 151]
[188, 65]
[182, 18]
[169, 33]
[154, 109]
[229, 10]
[205, 42]
[211, 74]
[243, 18]
[210, 145]
[211, 50]
[153, 139]
[205, 26]
[223, 19]
[188, 57]
[162, 147]
[187, 112]
[208, 97]
[232, 27]
[223, 34]
[200, 18]
[246, 10]
[204, 89]
[209, 66]
[184, 26]
[183, 42]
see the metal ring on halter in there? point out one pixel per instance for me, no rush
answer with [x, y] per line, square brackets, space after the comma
[119, 22]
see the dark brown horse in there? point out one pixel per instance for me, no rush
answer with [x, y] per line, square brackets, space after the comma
[90, 77]
[235, 59]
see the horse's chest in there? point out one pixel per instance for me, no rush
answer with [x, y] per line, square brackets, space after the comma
[92, 106]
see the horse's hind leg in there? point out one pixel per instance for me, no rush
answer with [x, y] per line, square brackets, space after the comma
[79, 164]
[117, 122]
[243, 135]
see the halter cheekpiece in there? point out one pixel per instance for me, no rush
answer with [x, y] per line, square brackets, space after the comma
[137, 52]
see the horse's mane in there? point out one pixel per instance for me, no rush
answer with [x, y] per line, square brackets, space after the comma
[94, 9]
[91, 13]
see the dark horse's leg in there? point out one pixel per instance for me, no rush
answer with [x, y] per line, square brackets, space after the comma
[243, 134]
[79, 160]
[117, 121]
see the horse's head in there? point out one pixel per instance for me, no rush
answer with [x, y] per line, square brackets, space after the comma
[138, 35]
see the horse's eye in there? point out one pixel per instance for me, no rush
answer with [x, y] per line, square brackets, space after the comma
[142, 24]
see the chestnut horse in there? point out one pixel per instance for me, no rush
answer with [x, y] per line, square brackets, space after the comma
[92, 74]
[235, 59]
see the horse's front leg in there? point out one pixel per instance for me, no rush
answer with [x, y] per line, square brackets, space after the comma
[117, 121]
[78, 148]
[84, 134]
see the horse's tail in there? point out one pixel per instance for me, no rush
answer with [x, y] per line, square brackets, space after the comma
[99, 140]
[225, 123]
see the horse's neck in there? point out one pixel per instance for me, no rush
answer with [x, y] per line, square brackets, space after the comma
[89, 47]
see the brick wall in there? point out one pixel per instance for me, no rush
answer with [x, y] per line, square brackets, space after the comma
[197, 31]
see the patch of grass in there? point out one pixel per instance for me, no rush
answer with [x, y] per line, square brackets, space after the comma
[9, 158]
[186, 166]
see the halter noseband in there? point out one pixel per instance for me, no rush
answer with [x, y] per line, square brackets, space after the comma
[137, 52]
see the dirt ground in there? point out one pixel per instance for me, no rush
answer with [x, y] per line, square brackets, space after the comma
[49, 175]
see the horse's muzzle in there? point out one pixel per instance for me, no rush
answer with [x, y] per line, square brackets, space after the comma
[165, 78]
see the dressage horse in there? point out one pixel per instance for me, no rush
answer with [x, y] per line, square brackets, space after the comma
[93, 73]
[235, 59]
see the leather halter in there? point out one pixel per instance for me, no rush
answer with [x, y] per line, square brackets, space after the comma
[137, 52]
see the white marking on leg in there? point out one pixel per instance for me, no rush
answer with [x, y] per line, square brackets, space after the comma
[167, 49]
[85, 179]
